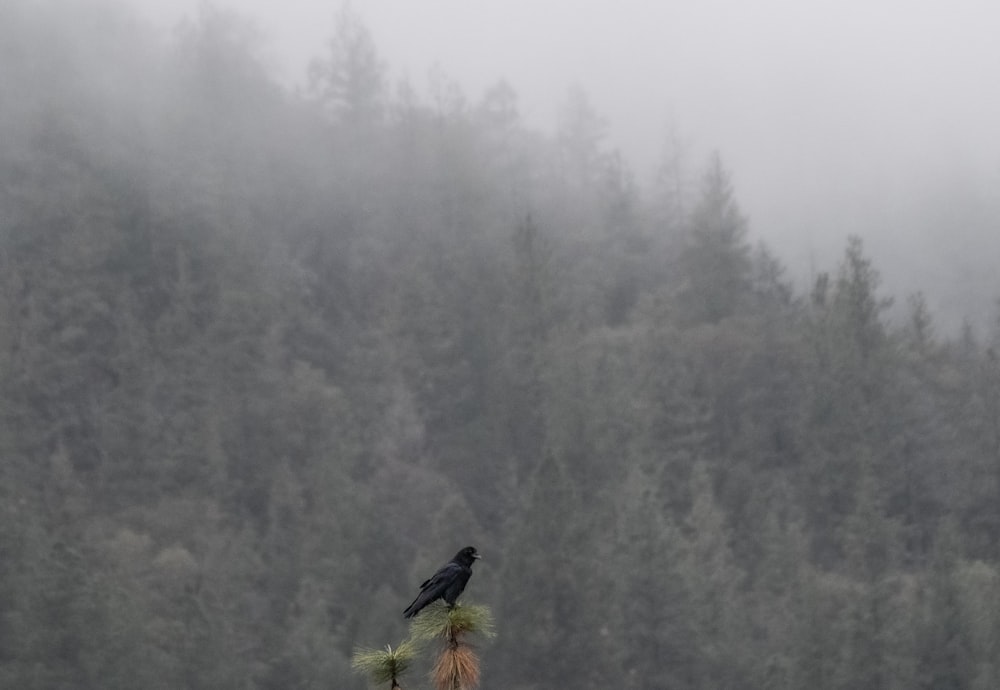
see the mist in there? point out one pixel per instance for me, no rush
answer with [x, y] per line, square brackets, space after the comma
[683, 317]
[835, 118]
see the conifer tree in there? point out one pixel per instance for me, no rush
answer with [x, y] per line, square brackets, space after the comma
[385, 666]
[945, 654]
[716, 262]
[456, 663]
[350, 79]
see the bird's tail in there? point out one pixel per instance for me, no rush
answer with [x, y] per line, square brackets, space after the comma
[413, 609]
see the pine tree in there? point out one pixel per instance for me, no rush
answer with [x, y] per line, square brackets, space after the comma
[716, 260]
[944, 653]
[456, 663]
[715, 583]
[850, 411]
[660, 646]
[350, 79]
[387, 666]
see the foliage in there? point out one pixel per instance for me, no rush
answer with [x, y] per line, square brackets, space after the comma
[456, 665]
[456, 668]
[263, 356]
[384, 666]
[440, 621]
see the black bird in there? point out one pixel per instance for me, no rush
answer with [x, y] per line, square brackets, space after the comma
[447, 583]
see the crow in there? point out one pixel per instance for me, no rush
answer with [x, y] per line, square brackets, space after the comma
[447, 583]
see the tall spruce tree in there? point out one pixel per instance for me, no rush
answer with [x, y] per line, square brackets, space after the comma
[716, 259]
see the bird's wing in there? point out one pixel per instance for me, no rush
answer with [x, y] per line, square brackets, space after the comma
[439, 582]
[433, 588]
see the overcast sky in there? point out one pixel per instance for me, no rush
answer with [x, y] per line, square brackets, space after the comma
[833, 115]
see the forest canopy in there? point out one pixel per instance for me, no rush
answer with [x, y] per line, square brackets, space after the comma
[268, 356]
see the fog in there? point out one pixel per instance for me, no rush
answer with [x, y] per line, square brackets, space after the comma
[282, 329]
[836, 118]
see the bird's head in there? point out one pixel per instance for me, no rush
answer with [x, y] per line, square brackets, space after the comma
[467, 556]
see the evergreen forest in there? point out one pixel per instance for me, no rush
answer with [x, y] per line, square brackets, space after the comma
[270, 355]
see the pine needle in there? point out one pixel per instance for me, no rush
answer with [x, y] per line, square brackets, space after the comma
[384, 665]
[457, 668]
[441, 621]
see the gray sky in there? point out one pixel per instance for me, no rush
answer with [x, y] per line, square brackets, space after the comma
[835, 116]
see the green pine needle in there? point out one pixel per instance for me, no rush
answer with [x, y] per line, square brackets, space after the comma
[384, 665]
[441, 621]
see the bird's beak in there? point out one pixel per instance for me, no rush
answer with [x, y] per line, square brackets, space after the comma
[476, 556]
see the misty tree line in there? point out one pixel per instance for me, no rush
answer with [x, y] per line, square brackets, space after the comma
[268, 357]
